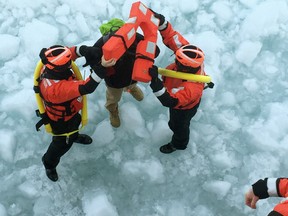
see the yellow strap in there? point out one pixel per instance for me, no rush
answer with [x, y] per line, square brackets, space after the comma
[67, 134]
[39, 100]
[184, 76]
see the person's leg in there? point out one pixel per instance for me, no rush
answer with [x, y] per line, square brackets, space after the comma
[135, 91]
[113, 96]
[179, 123]
[57, 148]
[61, 144]
[73, 125]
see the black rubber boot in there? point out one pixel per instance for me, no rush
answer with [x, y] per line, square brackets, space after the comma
[83, 139]
[167, 149]
[51, 173]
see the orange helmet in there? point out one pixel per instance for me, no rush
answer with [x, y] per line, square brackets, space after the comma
[56, 57]
[190, 56]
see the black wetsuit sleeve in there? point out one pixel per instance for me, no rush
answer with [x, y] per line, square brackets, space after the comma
[88, 87]
[260, 188]
[168, 101]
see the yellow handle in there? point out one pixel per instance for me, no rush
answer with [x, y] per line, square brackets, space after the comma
[37, 95]
[185, 76]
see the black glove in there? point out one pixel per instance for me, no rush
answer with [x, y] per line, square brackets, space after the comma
[209, 85]
[159, 16]
[260, 188]
[156, 84]
[153, 72]
[92, 54]
[99, 70]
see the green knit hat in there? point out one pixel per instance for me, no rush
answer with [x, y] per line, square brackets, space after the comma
[112, 25]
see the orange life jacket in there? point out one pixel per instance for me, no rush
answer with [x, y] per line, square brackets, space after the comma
[115, 47]
[188, 93]
[60, 104]
[61, 98]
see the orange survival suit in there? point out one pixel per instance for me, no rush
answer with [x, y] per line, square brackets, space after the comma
[61, 92]
[188, 93]
[181, 96]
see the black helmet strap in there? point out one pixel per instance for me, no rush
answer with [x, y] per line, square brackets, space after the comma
[42, 56]
[186, 69]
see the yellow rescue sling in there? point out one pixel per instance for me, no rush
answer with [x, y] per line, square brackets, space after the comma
[41, 107]
[184, 76]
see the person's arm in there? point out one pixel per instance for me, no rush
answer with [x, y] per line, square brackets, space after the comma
[159, 91]
[264, 188]
[171, 38]
[90, 84]
[69, 89]
[92, 54]
[98, 73]
[259, 190]
[271, 187]
[283, 186]
[88, 52]
[251, 199]
[75, 52]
